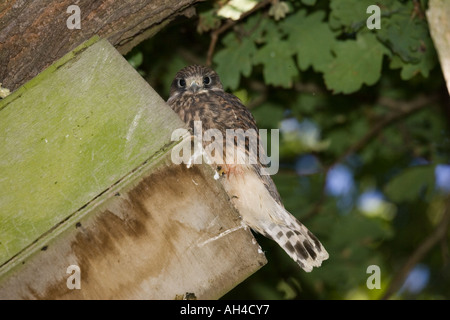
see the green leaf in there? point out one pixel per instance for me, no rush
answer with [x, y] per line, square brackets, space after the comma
[233, 9]
[310, 38]
[289, 289]
[136, 59]
[268, 115]
[345, 135]
[235, 59]
[278, 10]
[172, 68]
[309, 2]
[424, 66]
[411, 183]
[357, 62]
[260, 29]
[279, 66]
[352, 245]
[207, 21]
[293, 144]
[404, 35]
[409, 39]
[350, 15]
[307, 104]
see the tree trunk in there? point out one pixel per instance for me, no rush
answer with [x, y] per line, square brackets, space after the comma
[34, 34]
[438, 16]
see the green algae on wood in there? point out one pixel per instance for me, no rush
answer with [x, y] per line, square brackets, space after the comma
[69, 134]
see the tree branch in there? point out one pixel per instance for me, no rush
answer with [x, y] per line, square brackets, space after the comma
[438, 235]
[403, 109]
[226, 26]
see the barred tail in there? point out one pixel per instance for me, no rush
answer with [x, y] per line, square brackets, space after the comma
[298, 242]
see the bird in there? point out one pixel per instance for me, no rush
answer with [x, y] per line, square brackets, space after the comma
[197, 94]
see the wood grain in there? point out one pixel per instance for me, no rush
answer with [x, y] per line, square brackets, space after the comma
[87, 180]
[158, 235]
[34, 34]
[71, 133]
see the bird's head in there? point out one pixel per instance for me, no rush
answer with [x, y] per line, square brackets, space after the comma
[195, 79]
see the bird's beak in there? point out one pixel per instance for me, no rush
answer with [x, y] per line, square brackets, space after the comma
[194, 86]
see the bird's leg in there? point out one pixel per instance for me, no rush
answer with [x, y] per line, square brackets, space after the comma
[232, 169]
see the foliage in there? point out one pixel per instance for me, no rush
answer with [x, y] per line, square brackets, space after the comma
[373, 101]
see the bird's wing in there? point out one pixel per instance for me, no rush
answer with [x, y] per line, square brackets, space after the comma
[236, 116]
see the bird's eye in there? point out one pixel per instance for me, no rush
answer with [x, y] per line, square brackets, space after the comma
[206, 80]
[181, 83]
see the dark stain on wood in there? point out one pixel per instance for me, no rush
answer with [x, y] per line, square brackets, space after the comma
[134, 239]
[131, 217]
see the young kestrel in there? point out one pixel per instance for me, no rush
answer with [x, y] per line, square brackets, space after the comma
[197, 94]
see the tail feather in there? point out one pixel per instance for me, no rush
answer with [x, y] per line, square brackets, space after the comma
[261, 209]
[298, 242]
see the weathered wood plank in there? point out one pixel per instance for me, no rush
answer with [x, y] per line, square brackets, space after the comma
[156, 235]
[34, 34]
[68, 135]
[87, 180]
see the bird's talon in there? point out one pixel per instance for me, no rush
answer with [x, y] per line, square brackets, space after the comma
[220, 170]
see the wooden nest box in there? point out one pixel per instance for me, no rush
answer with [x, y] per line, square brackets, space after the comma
[92, 206]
